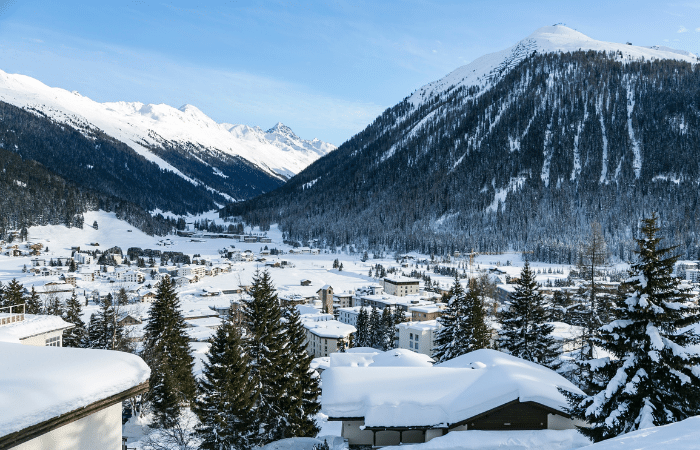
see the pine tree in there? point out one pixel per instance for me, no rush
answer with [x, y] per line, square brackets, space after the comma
[376, 333]
[464, 326]
[652, 379]
[525, 332]
[167, 352]
[54, 307]
[33, 303]
[77, 336]
[265, 342]
[13, 294]
[387, 328]
[445, 338]
[300, 387]
[226, 393]
[362, 333]
[97, 336]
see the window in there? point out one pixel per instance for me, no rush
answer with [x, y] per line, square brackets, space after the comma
[411, 336]
[53, 342]
[416, 337]
[410, 344]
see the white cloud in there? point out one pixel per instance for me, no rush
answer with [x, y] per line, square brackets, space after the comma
[682, 29]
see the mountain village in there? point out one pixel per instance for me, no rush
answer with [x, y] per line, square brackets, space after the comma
[501, 260]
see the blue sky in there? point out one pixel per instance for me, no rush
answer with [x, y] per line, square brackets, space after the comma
[324, 68]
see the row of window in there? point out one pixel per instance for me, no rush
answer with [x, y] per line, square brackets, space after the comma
[53, 342]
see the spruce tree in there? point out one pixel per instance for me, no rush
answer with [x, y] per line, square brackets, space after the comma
[525, 332]
[33, 303]
[301, 386]
[375, 329]
[480, 333]
[54, 306]
[265, 341]
[77, 336]
[13, 293]
[652, 379]
[444, 340]
[167, 352]
[226, 393]
[97, 335]
[387, 327]
[362, 334]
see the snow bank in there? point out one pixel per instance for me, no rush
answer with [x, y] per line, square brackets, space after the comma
[39, 383]
[498, 440]
[684, 435]
[334, 442]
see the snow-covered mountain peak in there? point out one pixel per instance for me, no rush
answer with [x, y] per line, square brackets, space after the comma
[488, 69]
[279, 152]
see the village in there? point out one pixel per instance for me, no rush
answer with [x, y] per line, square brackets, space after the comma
[330, 290]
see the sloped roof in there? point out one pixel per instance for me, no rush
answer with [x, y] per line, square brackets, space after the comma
[442, 395]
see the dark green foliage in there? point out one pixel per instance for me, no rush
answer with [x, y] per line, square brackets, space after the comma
[653, 378]
[33, 303]
[166, 351]
[13, 293]
[362, 333]
[77, 336]
[525, 332]
[463, 324]
[105, 331]
[301, 385]
[226, 393]
[264, 345]
[404, 177]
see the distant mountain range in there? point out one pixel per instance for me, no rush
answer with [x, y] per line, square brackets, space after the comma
[520, 150]
[219, 162]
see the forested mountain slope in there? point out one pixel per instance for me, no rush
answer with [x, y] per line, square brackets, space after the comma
[524, 158]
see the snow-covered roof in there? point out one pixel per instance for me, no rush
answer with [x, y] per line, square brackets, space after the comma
[425, 325]
[428, 309]
[204, 322]
[441, 395]
[376, 358]
[32, 325]
[329, 329]
[40, 383]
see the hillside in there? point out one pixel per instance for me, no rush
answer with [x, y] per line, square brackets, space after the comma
[231, 162]
[520, 150]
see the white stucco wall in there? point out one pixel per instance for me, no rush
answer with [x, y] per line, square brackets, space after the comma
[40, 340]
[99, 431]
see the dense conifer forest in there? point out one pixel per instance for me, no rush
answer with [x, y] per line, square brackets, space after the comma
[562, 140]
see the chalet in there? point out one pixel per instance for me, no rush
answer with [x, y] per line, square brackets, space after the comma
[147, 296]
[87, 274]
[305, 282]
[401, 286]
[66, 398]
[481, 390]
[265, 240]
[129, 319]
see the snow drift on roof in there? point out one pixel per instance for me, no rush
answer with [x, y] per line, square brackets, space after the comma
[40, 383]
[445, 394]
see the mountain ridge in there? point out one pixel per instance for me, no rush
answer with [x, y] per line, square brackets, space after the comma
[524, 162]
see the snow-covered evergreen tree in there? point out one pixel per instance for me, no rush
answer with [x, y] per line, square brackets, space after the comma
[446, 336]
[167, 353]
[362, 333]
[376, 333]
[300, 389]
[77, 336]
[387, 329]
[653, 377]
[226, 393]
[96, 332]
[525, 331]
[33, 303]
[463, 325]
[265, 342]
